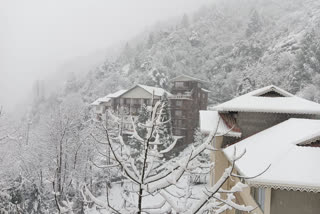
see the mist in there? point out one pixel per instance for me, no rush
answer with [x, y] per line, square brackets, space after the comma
[38, 36]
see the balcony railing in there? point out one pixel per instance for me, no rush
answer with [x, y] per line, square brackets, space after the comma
[183, 96]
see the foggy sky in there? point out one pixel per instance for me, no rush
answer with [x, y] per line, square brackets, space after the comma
[37, 36]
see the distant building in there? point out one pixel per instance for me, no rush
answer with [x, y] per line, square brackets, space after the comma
[260, 122]
[186, 99]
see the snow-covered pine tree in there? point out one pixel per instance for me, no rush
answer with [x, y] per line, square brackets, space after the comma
[165, 130]
[255, 24]
[185, 21]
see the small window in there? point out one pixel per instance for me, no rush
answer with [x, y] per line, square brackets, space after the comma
[178, 123]
[136, 101]
[179, 103]
[259, 195]
[178, 132]
[178, 113]
[146, 101]
[179, 84]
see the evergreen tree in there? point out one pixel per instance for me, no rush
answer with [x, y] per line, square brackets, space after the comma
[142, 119]
[71, 84]
[150, 41]
[185, 21]
[165, 131]
[127, 53]
[254, 25]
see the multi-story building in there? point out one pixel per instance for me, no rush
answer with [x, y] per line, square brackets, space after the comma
[186, 99]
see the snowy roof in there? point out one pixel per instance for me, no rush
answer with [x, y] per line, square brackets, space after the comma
[96, 102]
[205, 90]
[116, 94]
[293, 167]
[184, 78]
[259, 101]
[108, 97]
[100, 100]
[211, 120]
[157, 91]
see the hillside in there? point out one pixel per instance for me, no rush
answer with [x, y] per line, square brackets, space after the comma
[236, 48]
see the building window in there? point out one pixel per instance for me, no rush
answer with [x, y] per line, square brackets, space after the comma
[146, 101]
[136, 101]
[178, 113]
[178, 132]
[179, 84]
[179, 103]
[178, 123]
[259, 195]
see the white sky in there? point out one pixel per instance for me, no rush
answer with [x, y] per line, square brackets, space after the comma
[36, 36]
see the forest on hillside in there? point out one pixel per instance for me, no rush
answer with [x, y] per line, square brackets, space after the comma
[236, 46]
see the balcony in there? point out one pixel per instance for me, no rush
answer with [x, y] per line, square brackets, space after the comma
[181, 97]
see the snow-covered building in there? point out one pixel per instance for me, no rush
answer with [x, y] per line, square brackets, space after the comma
[129, 101]
[186, 98]
[290, 151]
[101, 105]
[277, 128]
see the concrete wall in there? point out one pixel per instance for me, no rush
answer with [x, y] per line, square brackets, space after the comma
[294, 202]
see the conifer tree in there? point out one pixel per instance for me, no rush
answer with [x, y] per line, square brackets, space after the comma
[255, 24]
[165, 130]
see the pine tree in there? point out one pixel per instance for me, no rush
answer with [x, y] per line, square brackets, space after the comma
[255, 24]
[165, 131]
[142, 119]
[150, 41]
[185, 21]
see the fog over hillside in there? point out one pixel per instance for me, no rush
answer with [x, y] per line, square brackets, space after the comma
[39, 37]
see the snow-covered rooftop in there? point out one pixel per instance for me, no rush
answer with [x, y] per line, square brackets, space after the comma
[108, 97]
[258, 101]
[292, 166]
[211, 121]
[157, 91]
[116, 94]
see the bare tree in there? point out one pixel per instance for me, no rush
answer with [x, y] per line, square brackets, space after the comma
[149, 175]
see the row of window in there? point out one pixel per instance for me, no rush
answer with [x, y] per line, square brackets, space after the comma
[179, 123]
[179, 132]
[131, 101]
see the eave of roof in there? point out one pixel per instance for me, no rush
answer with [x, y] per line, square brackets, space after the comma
[211, 121]
[284, 186]
[292, 166]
